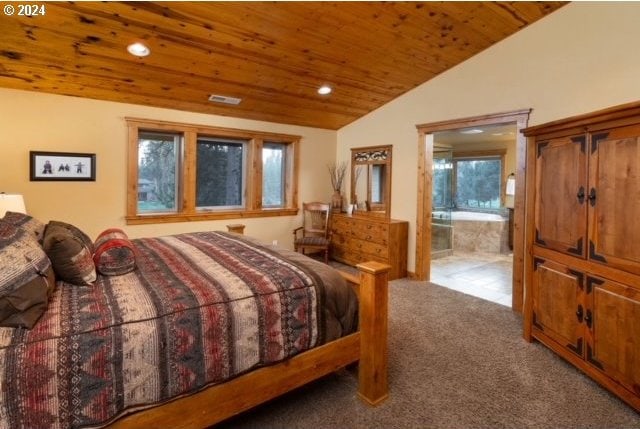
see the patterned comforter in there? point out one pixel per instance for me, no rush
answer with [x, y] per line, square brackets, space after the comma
[201, 308]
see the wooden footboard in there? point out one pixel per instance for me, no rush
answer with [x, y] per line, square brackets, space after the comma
[368, 346]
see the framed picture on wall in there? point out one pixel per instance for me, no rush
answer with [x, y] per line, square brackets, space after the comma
[62, 166]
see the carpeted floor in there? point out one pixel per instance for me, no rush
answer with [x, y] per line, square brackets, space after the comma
[455, 361]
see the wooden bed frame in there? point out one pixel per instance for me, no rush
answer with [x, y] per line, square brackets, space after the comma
[368, 346]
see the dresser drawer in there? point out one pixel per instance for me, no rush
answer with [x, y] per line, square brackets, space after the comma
[352, 257]
[377, 233]
[372, 232]
[361, 246]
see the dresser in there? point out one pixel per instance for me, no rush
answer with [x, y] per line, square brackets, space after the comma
[582, 297]
[360, 238]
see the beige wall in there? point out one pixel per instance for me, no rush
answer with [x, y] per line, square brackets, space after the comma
[45, 122]
[583, 57]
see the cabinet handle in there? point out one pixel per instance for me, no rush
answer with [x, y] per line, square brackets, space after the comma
[592, 197]
[588, 319]
[579, 313]
[580, 195]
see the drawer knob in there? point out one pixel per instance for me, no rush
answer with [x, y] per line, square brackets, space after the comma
[588, 319]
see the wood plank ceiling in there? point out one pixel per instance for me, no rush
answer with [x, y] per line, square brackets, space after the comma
[273, 55]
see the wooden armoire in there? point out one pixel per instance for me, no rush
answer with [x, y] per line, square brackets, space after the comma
[582, 293]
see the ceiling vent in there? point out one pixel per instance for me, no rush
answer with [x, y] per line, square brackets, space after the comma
[224, 99]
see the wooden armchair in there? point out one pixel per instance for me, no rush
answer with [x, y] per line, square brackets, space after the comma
[316, 235]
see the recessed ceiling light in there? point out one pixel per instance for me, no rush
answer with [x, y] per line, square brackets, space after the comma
[471, 131]
[138, 49]
[324, 90]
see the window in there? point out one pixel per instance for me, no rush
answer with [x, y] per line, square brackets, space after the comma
[220, 173]
[158, 168]
[273, 174]
[478, 183]
[181, 172]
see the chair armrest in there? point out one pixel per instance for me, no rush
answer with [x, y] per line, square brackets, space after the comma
[295, 231]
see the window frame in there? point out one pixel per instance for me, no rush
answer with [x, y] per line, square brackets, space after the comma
[482, 155]
[187, 210]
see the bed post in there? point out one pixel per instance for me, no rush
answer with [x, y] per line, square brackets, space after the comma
[374, 298]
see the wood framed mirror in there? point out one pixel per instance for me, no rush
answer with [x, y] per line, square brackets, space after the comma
[371, 180]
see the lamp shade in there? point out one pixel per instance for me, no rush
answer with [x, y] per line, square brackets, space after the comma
[11, 203]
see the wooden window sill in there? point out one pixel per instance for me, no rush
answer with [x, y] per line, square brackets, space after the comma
[202, 216]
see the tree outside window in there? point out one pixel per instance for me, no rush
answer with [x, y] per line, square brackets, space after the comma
[478, 183]
[157, 166]
[273, 174]
[219, 173]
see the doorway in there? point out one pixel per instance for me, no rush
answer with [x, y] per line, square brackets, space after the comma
[471, 250]
[433, 160]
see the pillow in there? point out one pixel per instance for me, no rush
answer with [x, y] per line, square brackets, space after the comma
[70, 255]
[115, 254]
[26, 222]
[26, 277]
[75, 231]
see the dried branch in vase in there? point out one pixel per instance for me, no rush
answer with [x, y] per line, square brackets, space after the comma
[337, 173]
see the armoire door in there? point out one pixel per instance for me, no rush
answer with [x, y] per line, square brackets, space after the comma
[561, 195]
[558, 310]
[613, 345]
[614, 198]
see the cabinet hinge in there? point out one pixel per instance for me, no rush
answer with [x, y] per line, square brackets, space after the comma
[537, 262]
[579, 276]
[592, 281]
[534, 321]
[593, 255]
[538, 239]
[577, 349]
[578, 249]
[541, 146]
[582, 140]
[591, 359]
[595, 139]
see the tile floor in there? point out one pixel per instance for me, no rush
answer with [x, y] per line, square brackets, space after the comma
[485, 275]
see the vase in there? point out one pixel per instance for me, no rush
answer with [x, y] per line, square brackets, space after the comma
[336, 202]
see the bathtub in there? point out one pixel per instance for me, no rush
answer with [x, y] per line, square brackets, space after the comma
[471, 231]
[477, 217]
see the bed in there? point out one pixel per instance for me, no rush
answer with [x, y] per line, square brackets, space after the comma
[206, 326]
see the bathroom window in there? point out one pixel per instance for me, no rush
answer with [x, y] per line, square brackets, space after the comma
[478, 182]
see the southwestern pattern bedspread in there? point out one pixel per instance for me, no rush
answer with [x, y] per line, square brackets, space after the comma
[201, 308]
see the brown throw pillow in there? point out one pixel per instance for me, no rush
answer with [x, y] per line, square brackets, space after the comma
[26, 277]
[115, 254]
[70, 256]
[75, 231]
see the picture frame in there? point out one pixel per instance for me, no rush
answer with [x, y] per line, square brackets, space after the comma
[63, 166]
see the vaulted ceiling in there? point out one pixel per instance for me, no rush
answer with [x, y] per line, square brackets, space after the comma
[272, 55]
